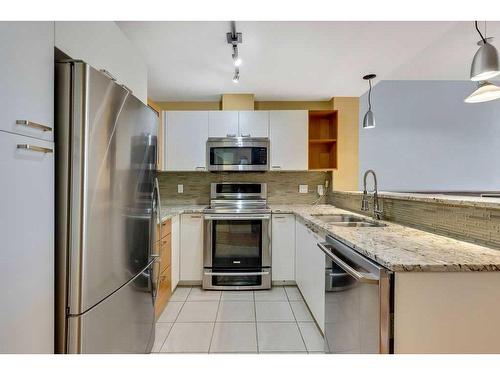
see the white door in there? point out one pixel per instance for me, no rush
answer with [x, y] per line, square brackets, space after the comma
[283, 247]
[27, 245]
[254, 124]
[288, 132]
[186, 134]
[27, 78]
[223, 124]
[191, 247]
[175, 251]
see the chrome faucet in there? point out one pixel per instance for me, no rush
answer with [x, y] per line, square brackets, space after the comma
[377, 211]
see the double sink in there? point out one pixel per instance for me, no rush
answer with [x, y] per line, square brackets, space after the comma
[346, 220]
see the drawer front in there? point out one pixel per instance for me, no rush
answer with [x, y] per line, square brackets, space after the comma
[165, 251]
[164, 291]
[166, 228]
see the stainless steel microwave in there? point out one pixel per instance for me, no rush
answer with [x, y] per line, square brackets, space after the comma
[238, 154]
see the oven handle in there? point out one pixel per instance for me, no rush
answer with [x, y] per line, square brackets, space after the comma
[362, 277]
[237, 217]
[236, 273]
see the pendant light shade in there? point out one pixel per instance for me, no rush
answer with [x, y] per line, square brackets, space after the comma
[369, 119]
[485, 63]
[485, 92]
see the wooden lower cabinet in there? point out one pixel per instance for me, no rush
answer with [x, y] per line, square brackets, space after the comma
[164, 247]
[164, 291]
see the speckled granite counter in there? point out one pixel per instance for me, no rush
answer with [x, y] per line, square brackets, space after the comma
[167, 212]
[446, 199]
[401, 248]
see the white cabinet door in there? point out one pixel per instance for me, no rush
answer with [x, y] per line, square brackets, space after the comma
[310, 271]
[223, 124]
[191, 247]
[254, 124]
[186, 134]
[27, 78]
[288, 132]
[175, 251]
[283, 247]
[27, 246]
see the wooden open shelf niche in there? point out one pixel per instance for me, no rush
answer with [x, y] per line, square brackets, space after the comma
[322, 140]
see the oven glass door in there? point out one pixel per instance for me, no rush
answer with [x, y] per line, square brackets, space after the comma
[238, 156]
[236, 244]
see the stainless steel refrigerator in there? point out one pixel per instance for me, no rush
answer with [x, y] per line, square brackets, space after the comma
[106, 194]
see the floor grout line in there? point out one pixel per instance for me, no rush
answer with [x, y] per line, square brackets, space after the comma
[213, 326]
[175, 320]
[255, 316]
[297, 323]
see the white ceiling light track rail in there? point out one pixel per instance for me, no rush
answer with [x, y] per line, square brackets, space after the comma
[484, 66]
[234, 38]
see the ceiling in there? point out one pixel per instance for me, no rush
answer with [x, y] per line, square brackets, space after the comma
[191, 61]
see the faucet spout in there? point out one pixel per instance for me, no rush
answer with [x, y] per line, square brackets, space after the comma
[377, 211]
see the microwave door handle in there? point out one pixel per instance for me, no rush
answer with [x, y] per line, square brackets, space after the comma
[362, 277]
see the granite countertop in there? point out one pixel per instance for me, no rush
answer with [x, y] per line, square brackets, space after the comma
[447, 199]
[401, 248]
[396, 247]
[169, 211]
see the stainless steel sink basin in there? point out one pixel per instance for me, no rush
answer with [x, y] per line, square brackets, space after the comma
[338, 218]
[360, 224]
[346, 220]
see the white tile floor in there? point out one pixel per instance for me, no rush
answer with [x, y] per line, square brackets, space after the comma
[270, 321]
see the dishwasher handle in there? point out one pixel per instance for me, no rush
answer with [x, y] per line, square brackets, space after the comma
[362, 277]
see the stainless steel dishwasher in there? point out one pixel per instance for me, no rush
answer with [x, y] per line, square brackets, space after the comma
[357, 301]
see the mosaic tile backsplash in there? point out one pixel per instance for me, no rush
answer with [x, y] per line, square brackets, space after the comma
[471, 224]
[282, 187]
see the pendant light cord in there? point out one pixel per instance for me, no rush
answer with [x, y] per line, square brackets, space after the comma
[479, 31]
[370, 95]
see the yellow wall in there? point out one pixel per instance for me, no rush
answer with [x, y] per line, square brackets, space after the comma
[237, 102]
[345, 177]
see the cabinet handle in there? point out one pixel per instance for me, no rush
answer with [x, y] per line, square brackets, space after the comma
[231, 135]
[280, 217]
[276, 166]
[200, 168]
[195, 216]
[246, 135]
[36, 148]
[34, 125]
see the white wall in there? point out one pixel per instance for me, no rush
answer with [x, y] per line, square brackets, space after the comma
[427, 138]
[103, 45]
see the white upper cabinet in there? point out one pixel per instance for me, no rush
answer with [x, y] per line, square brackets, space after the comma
[223, 124]
[27, 78]
[254, 124]
[186, 134]
[288, 132]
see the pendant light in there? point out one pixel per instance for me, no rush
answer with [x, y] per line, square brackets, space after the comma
[369, 119]
[485, 92]
[234, 38]
[485, 63]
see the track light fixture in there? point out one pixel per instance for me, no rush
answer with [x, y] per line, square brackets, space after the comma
[234, 39]
[236, 77]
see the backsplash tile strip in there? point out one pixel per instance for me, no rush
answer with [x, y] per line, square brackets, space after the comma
[282, 187]
[472, 224]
